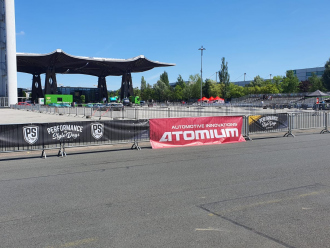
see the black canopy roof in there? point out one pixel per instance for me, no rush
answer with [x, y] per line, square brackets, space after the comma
[62, 62]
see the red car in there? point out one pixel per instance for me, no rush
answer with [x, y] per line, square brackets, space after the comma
[24, 103]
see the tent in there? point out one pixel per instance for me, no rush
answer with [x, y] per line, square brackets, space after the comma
[220, 100]
[211, 98]
[317, 93]
[203, 99]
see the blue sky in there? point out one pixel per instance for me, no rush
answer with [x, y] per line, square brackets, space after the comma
[255, 37]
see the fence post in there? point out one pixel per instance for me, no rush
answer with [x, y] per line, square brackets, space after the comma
[325, 130]
[246, 125]
[137, 113]
[169, 112]
[136, 143]
[290, 125]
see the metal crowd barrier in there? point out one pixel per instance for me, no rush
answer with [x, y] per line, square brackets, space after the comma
[146, 112]
[252, 123]
[44, 136]
[288, 123]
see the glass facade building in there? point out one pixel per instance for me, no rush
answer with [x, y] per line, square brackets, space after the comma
[304, 74]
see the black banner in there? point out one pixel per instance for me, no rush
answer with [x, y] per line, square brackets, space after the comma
[40, 134]
[268, 122]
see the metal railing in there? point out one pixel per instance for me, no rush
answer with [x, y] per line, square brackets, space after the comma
[292, 122]
[254, 120]
[43, 136]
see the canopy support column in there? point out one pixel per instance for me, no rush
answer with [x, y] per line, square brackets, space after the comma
[50, 82]
[126, 86]
[36, 88]
[102, 86]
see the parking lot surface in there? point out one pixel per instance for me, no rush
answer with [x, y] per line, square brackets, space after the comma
[272, 192]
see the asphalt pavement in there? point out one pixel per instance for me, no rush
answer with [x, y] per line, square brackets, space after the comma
[272, 192]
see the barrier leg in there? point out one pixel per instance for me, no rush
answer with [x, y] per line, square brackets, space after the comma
[247, 132]
[325, 130]
[61, 152]
[289, 133]
[43, 154]
[136, 146]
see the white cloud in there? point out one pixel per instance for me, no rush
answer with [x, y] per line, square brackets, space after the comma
[153, 77]
[21, 33]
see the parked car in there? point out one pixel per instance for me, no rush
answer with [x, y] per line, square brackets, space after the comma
[65, 105]
[126, 102]
[24, 103]
[321, 106]
[89, 105]
[57, 105]
[142, 103]
[99, 106]
[115, 106]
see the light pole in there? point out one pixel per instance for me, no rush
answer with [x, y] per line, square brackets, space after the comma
[202, 49]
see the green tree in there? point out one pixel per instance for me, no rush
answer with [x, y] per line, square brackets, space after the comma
[235, 91]
[143, 89]
[224, 77]
[277, 81]
[216, 90]
[316, 83]
[160, 90]
[290, 83]
[136, 91]
[178, 93]
[187, 91]
[269, 89]
[207, 87]
[114, 93]
[143, 84]
[82, 98]
[148, 93]
[326, 75]
[252, 90]
[164, 78]
[257, 81]
[195, 84]
[304, 86]
[181, 82]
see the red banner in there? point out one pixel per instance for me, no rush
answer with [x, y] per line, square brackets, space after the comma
[175, 132]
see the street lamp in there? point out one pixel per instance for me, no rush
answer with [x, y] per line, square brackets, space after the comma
[202, 49]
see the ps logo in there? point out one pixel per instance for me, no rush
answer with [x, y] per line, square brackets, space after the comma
[30, 134]
[97, 130]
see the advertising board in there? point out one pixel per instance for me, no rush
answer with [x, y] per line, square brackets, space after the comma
[176, 132]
